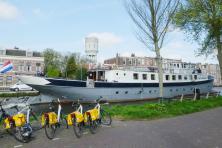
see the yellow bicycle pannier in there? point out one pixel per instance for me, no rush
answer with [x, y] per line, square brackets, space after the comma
[19, 120]
[6, 123]
[77, 115]
[94, 113]
[52, 117]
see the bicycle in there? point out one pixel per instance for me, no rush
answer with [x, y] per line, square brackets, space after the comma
[15, 125]
[51, 121]
[91, 118]
[29, 113]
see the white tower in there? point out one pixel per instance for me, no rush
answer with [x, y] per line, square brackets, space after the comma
[91, 48]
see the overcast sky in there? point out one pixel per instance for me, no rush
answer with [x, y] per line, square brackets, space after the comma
[63, 25]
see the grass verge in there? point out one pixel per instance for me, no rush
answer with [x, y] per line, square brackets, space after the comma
[155, 110]
[18, 94]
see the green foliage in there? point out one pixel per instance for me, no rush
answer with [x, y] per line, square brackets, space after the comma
[71, 67]
[81, 73]
[51, 61]
[156, 110]
[53, 72]
[203, 21]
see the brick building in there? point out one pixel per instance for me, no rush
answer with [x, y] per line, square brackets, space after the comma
[24, 62]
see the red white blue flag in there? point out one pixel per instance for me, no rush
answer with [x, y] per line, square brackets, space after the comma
[7, 66]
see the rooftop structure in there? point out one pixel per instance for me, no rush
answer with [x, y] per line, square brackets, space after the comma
[91, 48]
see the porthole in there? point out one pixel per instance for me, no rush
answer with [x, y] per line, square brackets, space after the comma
[184, 89]
[117, 92]
[150, 91]
[124, 74]
[171, 90]
[176, 89]
[117, 74]
[126, 92]
[155, 91]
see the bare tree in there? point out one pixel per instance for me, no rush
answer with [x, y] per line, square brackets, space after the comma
[152, 18]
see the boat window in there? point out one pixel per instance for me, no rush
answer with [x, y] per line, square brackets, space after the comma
[135, 76]
[185, 77]
[144, 76]
[171, 90]
[117, 92]
[152, 76]
[150, 91]
[124, 74]
[195, 77]
[167, 77]
[117, 74]
[173, 77]
[176, 89]
[184, 89]
[179, 77]
[126, 92]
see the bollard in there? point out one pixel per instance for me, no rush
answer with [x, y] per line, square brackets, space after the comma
[195, 95]
[207, 95]
[181, 98]
[218, 93]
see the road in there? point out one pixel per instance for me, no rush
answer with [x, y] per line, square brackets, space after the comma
[198, 130]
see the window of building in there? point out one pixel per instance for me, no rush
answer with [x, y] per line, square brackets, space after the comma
[173, 77]
[152, 76]
[135, 76]
[179, 77]
[144, 76]
[167, 77]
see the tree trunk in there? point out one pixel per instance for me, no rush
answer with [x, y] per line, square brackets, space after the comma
[160, 72]
[219, 54]
[219, 57]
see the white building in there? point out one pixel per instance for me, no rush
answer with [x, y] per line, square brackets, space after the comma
[91, 49]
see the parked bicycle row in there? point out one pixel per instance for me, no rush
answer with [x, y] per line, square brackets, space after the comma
[21, 127]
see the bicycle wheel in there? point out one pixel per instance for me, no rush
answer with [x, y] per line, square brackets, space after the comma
[92, 125]
[78, 129]
[105, 117]
[19, 134]
[50, 130]
[64, 122]
[35, 121]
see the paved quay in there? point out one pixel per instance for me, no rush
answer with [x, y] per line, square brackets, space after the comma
[198, 130]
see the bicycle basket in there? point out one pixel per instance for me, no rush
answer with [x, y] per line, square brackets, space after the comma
[19, 120]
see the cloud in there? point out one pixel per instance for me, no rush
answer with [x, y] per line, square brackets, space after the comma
[8, 11]
[106, 39]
